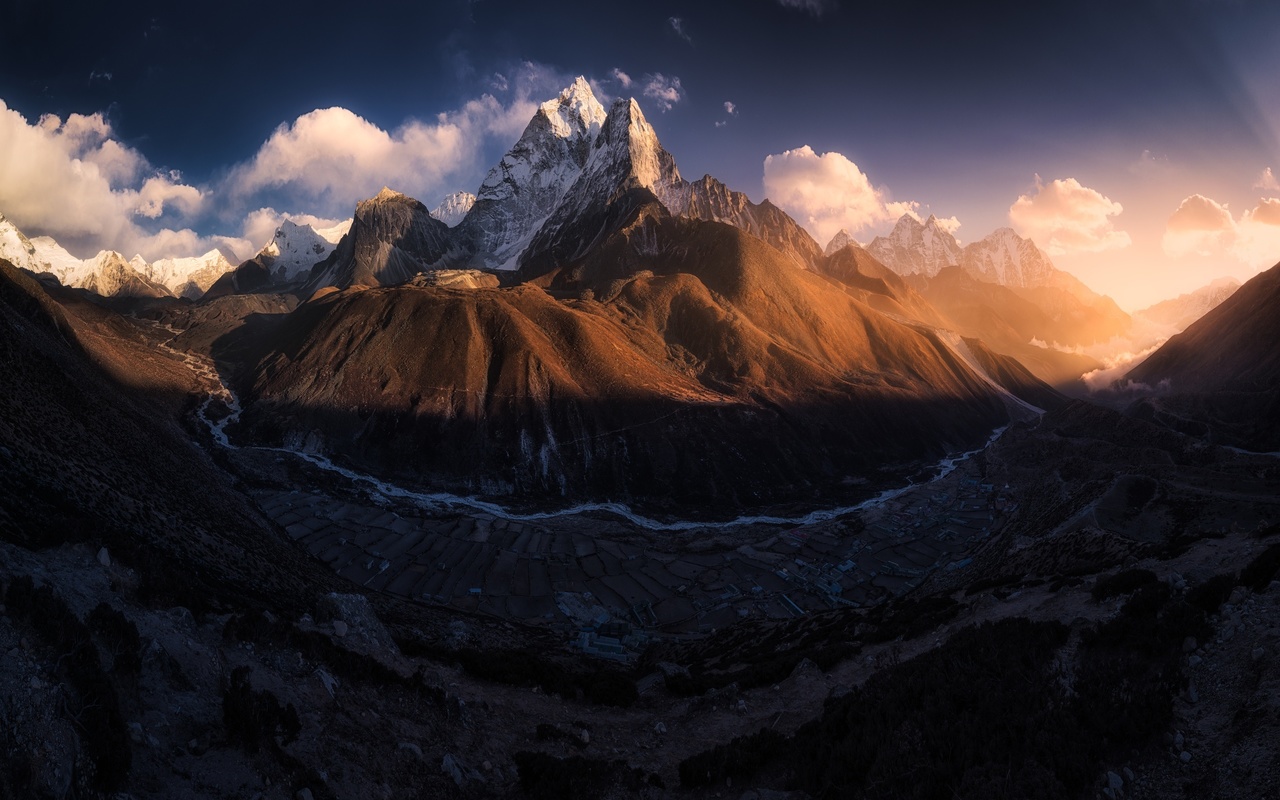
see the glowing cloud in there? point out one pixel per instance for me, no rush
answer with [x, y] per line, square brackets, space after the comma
[1200, 226]
[1066, 217]
[663, 91]
[828, 192]
[621, 77]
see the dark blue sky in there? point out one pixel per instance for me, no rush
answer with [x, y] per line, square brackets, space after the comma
[956, 106]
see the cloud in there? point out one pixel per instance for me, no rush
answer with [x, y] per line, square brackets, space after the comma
[1267, 181]
[622, 78]
[71, 179]
[730, 109]
[1200, 226]
[1258, 235]
[328, 159]
[1113, 368]
[677, 25]
[1204, 227]
[1066, 217]
[663, 91]
[815, 7]
[828, 192]
[157, 192]
[949, 224]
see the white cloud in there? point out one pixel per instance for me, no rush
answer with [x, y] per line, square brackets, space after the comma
[815, 7]
[157, 192]
[1267, 181]
[622, 78]
[677, 25]
[828, 192]
[1115, 367]
[663, 91]
[730, 109]
[949, 224]
[1200, 226]
[329, 159]
[72, 180]
[1066, 217]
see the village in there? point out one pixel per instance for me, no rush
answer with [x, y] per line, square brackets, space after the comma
[611, 597]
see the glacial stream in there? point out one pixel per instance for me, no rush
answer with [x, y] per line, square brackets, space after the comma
[219, 392]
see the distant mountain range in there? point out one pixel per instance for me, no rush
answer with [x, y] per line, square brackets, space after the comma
[291, 252]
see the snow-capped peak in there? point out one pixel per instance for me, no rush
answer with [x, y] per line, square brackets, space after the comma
[916, 247]
[296, 248]
[186, 277]
[841, 240]
[531, 179]
[1006, 258]
[17, 248]
[454, 207]
[574, 111]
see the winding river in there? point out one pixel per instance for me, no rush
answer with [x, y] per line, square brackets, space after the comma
[220, 393]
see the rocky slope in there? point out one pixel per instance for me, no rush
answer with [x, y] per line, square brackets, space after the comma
[1220, 378]
[775, 383]
[392, 238]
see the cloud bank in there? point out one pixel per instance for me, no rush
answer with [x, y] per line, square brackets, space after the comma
[1065, 217]
[73, 180]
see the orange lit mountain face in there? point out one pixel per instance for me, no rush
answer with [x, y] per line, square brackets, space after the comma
[661, 340]
[681, 359]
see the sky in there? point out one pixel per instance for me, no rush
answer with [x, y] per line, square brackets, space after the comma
[1137, 142]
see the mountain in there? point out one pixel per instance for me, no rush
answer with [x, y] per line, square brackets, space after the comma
[1006, 258]
[775, 384]
[1221, 376]
[293, 250]
[188, 277]
[392, 238]
[1179, 312]
[841, 240]
[454, 207]
[17, 249]
[916, 247]
[55, 260]
[1012, 324]
[710, 200]
[1081, 317]
[626, 157]
[110, 275]
[545, 201]
[531, 180]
